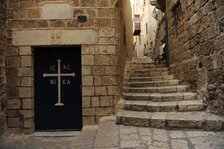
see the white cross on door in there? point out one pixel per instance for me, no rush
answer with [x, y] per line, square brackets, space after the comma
[59, 75]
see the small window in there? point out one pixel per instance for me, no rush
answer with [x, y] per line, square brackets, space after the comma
[178, 18]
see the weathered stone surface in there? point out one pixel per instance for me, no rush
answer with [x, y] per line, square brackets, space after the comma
[56, 11]
[111, 136]
[13, 61]
[27, 81]
[107, 49]
[102, 60]
[95, 101]
[88, 3]
[26, 50]
[114, 90]
[39, 37]
[13, 104]
[26, 61]
[158, 120]
[87, 80]
[103, 3]
[13, 122]
[88, 91]
[101, 90]
[103, 140]
[88, 111]
[12, 51]
[98, 70]
[106, 101]
[2, 124]
[181, 144]
[28, 103]
[26, 92]
[201, 35]
[163, 106]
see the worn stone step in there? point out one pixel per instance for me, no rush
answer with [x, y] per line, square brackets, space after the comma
[149, 74]
[160, 97]
[149, 65]
[152, 83]
[181, 106]
[143, 70]
[166, 89]
[141, 67]
[141, 62]
[143, 79]
[171, 120]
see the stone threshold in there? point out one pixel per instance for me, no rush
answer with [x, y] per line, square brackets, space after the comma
[56, 134]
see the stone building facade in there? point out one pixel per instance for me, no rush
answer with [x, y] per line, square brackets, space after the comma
[126, 30]
[144, 43]
[160, 33]
[44, 23]
[195, 40]
[2, 66]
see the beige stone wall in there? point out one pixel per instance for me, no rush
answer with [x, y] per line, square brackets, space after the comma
[146, 39]
[160, 33]
[101, 61]
[2, 66]
[126, 34]
[196, 54]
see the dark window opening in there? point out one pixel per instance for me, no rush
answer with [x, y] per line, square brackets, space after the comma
[178, 18]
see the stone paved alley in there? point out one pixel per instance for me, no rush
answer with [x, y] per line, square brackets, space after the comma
[108, 135]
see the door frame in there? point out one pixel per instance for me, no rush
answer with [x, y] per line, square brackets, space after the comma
[34, 48]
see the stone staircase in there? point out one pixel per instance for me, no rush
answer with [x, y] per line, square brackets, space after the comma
[154, 98]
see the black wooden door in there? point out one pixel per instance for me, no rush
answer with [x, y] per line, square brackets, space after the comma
[58, 100]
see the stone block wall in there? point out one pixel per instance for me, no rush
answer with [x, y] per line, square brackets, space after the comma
[101, 66]
[197, 52]
[2, 66]
[126, 38]
[160, 33]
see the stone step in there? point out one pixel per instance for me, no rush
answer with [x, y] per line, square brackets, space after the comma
[152, 83]
[149, 74]
[171, 120]
[145, 64]
[181, 106]
[167, 89]
[148, 70]
[143, 79]
[160, 97]
[141, 62]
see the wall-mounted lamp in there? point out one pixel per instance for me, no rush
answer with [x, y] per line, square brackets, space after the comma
[82, 18]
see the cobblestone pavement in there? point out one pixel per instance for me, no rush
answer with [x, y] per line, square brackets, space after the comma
[108, 135]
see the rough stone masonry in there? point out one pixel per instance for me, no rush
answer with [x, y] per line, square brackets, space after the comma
[195, 42]
[52, 23]
[2, 67]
